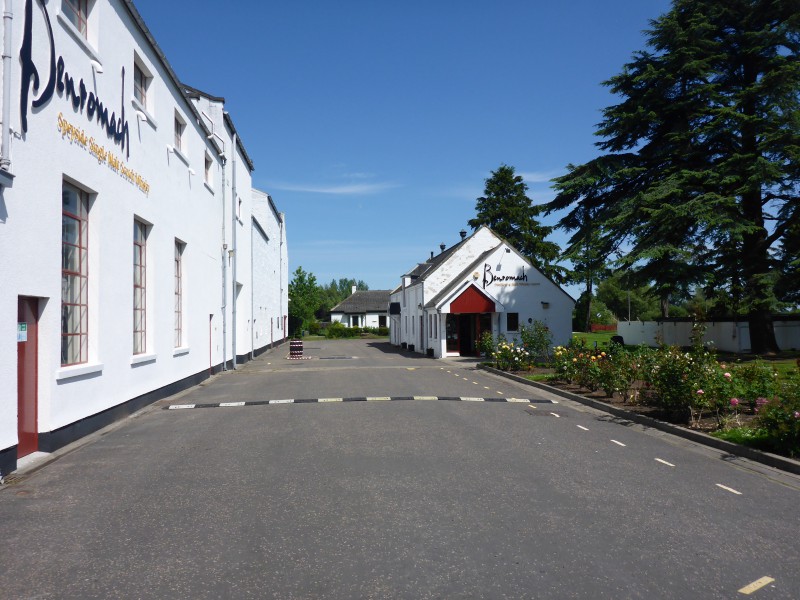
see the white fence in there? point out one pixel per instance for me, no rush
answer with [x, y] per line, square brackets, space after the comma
[728, 336]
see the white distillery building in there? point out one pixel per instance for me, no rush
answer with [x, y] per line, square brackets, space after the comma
[160, 265]
[444, 305]
[362, 308]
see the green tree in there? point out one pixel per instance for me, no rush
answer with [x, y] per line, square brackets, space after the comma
[507, 210]
[626, 300]
[703, 153]
[336, 291]
[304, 297]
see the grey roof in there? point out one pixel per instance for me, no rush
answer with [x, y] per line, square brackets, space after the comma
[137, 17]
[422, 270]
[458, 279]
[364, 302]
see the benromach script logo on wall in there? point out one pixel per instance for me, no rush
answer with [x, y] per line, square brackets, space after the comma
[60, 81]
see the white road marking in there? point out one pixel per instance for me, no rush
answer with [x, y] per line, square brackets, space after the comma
[486, 387]
[727, 489]
[554, 401]
[555, 415]
[180, 406]
[464, 399]
[426, 397]
[376, 398]
[281, 401]
[329, 400]
[525, 400]
[756, 585]
[618, 443]
[231, 403]
[474, 383]
[663, 462]
[582, 427]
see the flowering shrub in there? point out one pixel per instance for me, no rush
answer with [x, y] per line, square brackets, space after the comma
[781, 418]
[672, 379]
[755, 380]
[486, 344]
[565, 363]
[509, 357]
[537, 340]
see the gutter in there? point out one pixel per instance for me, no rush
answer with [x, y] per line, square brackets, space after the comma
[6, 177]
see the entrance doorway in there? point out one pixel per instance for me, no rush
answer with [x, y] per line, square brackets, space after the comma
[27, 373]
[464, 330]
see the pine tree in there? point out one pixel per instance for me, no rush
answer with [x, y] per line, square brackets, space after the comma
[508, 211]
[703, 153]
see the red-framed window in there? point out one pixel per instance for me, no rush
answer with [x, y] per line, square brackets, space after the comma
[77, 13]
[139, 287]
[74, 275]
[178, 294]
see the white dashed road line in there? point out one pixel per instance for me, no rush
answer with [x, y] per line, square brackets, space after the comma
[728, 489]
[582, 427]
[663, 462]
[619, 443]
[281, 401]
[231, 403]
[180, 406]
[556, 415]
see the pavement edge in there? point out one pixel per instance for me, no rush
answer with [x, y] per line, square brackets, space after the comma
[766, 458]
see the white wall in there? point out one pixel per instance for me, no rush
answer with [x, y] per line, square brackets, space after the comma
[178, 204]
[270, 273]
[727, 336]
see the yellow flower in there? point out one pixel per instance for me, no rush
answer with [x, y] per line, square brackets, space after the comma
[574, 360]
[594, 358]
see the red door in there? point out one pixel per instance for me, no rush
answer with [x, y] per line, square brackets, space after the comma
[27, 357]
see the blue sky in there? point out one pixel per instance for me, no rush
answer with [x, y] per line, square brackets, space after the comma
[374, 124]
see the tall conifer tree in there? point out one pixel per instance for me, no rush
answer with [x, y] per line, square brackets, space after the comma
[703, 163]
[506, 209]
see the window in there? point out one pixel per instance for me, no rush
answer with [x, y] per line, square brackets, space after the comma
[180, 126]
[178, 294]
[77, 13]
[139, 287]
[74, 275]
[208, 172]
[512, 321]
[140, 84]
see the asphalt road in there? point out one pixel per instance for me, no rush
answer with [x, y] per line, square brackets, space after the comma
[411, 499]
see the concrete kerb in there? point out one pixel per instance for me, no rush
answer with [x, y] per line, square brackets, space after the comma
[765, 458]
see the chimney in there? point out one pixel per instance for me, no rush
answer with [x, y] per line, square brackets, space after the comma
[442, 246]
[354, 290]
[463, 234]
[431, 254]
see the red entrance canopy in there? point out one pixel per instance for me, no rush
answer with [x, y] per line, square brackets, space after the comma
[472, 300]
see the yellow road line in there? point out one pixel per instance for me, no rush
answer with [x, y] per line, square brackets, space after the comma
[756, 585]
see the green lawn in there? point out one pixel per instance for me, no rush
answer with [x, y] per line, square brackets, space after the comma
[603, 338]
